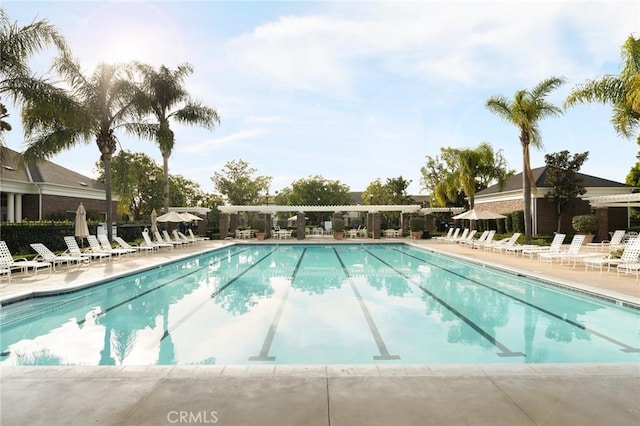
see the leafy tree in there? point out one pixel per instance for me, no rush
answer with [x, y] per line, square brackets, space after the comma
[185, 192]
[164, 97]
[315, 190]
[459, 173]
[524, 111]
[621, 91]
[238, 186]
[376, 194]
[17, 45]
[94, 107]
[562, 175]
[633, 177]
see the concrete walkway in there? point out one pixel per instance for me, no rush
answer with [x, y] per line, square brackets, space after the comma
[486, 394]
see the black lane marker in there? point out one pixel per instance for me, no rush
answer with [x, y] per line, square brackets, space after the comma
[625, 348]
[104, 311]
[505, 352]
[268, 340]
[213, 295]
[382, 348]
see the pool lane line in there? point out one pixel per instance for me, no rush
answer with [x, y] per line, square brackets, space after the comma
[504, 351]
[624, 346]
[268, 340]
[213, 296]
[377, 337]
[191, 272]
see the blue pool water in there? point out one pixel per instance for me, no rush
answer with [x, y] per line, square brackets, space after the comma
[305, 304]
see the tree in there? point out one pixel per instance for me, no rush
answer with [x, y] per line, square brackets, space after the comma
[315, 191]
[238, 186]
[562, 175]
[135, 178]
[94, 108]
[164, 96]
[621, 91]
[524, 111]
[463, 172]
[17, 45]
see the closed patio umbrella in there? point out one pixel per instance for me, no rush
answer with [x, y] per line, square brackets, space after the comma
[154, 221]
[82, 230]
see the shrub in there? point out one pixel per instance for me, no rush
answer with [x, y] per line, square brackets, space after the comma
[338, 225]
[586, 223]
[260, 225]
[416, 224]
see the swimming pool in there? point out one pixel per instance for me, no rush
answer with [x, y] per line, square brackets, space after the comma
[321, 303]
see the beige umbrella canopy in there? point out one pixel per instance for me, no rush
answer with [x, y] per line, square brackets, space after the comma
[172, 216]
[154, 221]
[82, 230]
[188, 217]
[478, 215]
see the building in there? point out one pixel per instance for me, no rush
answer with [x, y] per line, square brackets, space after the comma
[45, 190]
[544, 214]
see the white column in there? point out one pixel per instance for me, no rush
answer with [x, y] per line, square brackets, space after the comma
[18, 207]
[11, 207]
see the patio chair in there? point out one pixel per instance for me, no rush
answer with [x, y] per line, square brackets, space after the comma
[506, 243]
[468, 238]
[629, 255]
[197, 238]
[74, 250]
[555, 247]
[7, 261]
[138, 248]
[107, 247]
[56, 259]
[155, 245]
[180, 236]
[614, 243]
[167, 238]
[457, 236]
[570, 254]
[444, 237]
[95, 247]
[488, 241]
[478, 240]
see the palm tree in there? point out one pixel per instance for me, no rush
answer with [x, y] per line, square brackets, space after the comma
[93, 109]
[162, 92]
[524, 111]
[17, 45]
[622, 91]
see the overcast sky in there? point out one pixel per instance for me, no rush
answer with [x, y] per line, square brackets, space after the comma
[353, 91]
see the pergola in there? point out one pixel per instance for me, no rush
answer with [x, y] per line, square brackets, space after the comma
[373, 210]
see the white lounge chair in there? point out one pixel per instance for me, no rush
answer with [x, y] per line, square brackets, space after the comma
[444, 237]
[479, 240]
[195, 237]
[138, 248]
[555, 247]
[74, 250]
[107, 247]
[614, 243]
[457, 236]
[488, 241]
[629, 255]
[156, 245]
[506, 243]
[7, 261]
[569, 254]
[167, 239]
[56, 259]
[468, 238]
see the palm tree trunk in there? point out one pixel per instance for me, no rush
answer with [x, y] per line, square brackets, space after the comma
[526, 188]
[106, 162]
[165, 195]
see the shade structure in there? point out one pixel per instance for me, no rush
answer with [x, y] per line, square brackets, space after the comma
[188, 217]
[296, 218]
[475, 214]
[154, 221]
[82, 230]
[172, 216]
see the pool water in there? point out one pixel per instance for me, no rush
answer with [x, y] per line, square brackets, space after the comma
[309, 304]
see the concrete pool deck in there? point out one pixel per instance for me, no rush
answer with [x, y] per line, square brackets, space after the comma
[482, 394]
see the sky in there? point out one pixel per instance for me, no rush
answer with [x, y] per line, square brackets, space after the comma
[353, 91]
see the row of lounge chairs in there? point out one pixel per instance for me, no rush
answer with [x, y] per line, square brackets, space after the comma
[100, 249]
[557, 252]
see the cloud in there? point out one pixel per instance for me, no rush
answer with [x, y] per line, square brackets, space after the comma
[219, 143]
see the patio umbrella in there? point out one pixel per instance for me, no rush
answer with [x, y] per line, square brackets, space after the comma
[154, 221]
[188, 217]
[82, 230]
[478, 215]
[172, 216]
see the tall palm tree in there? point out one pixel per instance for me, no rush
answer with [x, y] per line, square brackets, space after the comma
[622, 91]
[93, 108]
[524, 112]
[165, 98]
[17, 45]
